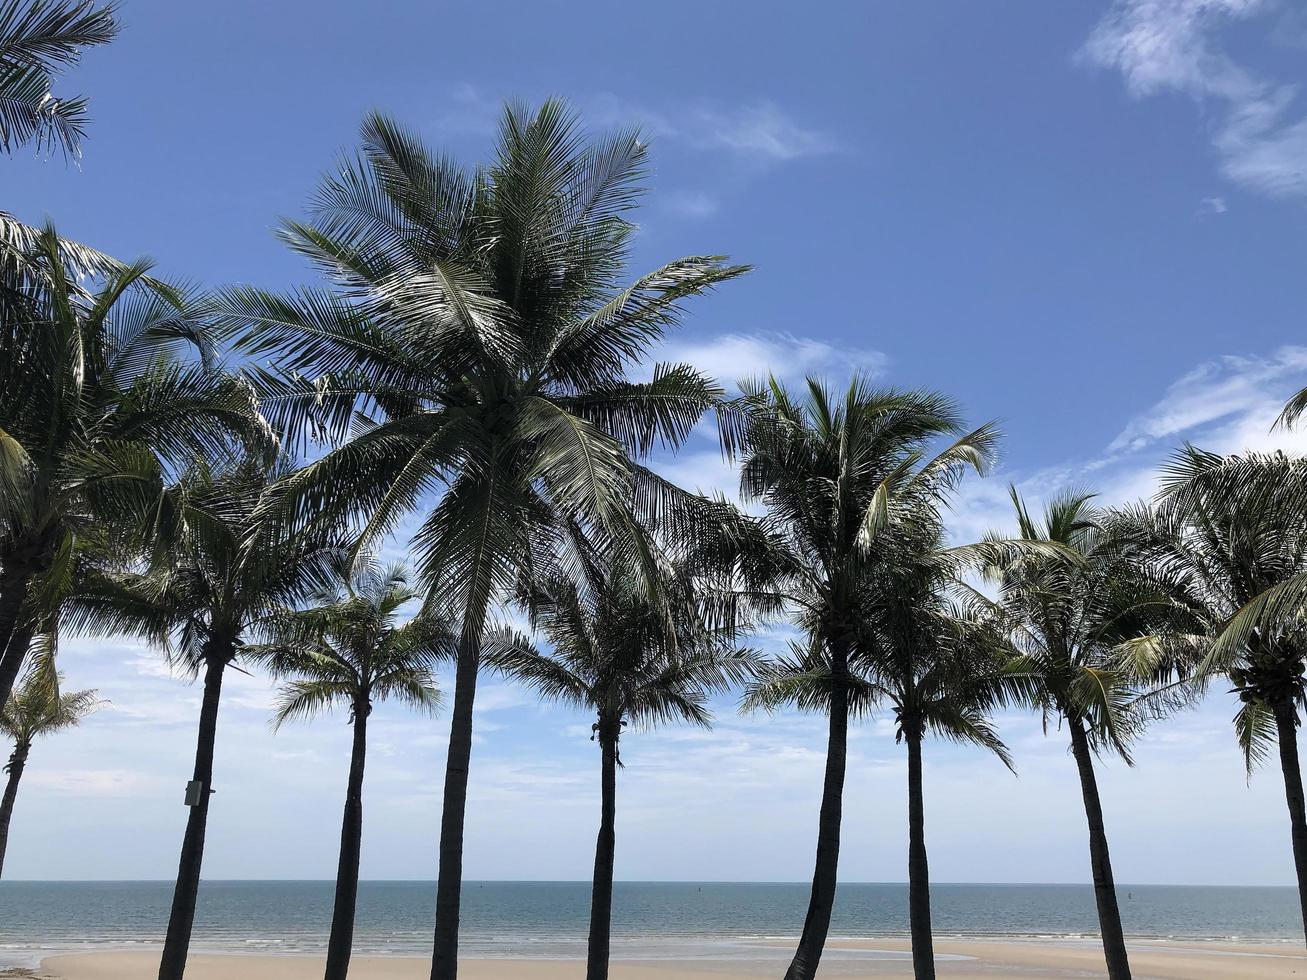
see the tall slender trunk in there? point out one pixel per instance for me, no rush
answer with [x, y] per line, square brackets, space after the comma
[176, 944]
[17, 763]
[816, 923]
[19, 565]
[601, 895]
[13, 655]
[340, 945]
[444, 957]
[1109, 914]
[923, 942]
[1286, 726]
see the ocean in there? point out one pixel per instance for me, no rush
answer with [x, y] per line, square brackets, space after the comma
[651, 920]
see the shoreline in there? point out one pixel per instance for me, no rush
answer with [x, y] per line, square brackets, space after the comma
[968, 959]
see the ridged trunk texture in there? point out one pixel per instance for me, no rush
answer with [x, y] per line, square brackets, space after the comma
[340, 945]
[1286, 725]
[176, 945]
[1109, 913]
[17, 763]
[444, 957]
[923, 941]
[816, 923]
[601, 894]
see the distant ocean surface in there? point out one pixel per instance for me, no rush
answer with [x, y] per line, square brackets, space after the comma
[650, 919]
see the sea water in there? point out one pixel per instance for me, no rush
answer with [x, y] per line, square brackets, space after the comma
[651, 920]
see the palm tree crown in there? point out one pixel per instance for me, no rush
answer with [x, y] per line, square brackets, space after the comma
[612, 650]
[98, 401]
[37, 38]
[346, 648]
[38, 707]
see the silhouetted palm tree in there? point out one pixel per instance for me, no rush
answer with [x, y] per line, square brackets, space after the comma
[1229, 533]
[35, 709]
[475, 354]
[95, 402]
[629, 659]
[830, 473]
[937, 667]
[1067, 621]
[37, 38]
[218, 572]
[348, 648]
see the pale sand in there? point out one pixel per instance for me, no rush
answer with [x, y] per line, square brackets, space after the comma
[1033, 960]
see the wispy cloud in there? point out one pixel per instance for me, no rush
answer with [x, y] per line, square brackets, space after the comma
[733, 357]
[1172, 46]
[1228, 405]
[1233, 390]
[761, 131]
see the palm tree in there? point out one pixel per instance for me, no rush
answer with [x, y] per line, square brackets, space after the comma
[1067, 621]
[347, 649]
[1229, 532]
[614, 652]
[96, 400]
[830, 473]
[940, 671]
[219, 571]
[37, 708]
[473, 362]
[37, 38]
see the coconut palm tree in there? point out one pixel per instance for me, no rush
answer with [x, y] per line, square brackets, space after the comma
[612, 651]
[831, 473]
[938, 668]
[96, 402]
[348, 648]
[35, 709]
[1228, 531]
[219, 571]
[37, 38]
[472, 365]
[1067, 621]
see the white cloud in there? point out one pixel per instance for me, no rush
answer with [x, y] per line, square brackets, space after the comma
[735, 356]
[1228, 405]
[1245, 393]
[761, 131]
[1169, 46]
[704, 472]
[1212, 205]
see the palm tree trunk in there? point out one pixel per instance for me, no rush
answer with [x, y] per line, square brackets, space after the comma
[1286, 725]
[822, 901]
[340, 945]
[177, 943]
[18, 566]
[923, 943]
[444, 958]
[601, 896]
[1109, 914]
[17, 763]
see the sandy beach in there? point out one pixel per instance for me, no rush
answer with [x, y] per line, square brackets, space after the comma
[1033, 960]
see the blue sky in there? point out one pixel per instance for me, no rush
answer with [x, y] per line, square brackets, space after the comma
[1083, 219]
